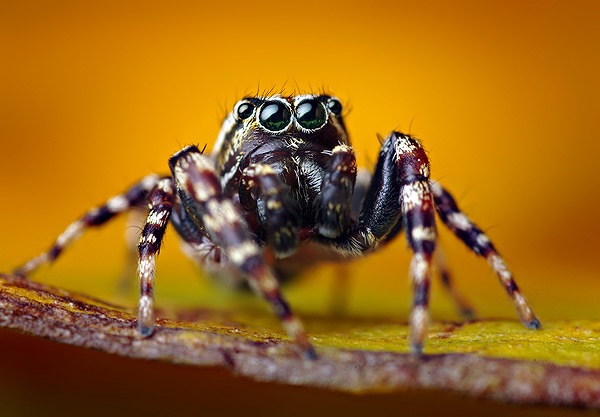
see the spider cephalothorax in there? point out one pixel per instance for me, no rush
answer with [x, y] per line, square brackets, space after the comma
[282, 180]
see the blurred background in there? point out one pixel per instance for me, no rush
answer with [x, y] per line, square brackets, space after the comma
[504, 95]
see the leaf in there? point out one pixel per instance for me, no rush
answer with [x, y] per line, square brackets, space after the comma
[501, 360]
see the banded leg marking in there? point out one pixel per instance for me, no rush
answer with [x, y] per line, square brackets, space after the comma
[278, 211]
[94, 217]
[399, 198]
[200, 191]
[418, 214]
[479, 243]
[160, 204]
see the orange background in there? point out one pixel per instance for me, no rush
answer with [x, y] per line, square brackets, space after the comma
[503, 94]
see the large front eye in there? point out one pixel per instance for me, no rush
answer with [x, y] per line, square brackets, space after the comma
[245, 110]
[311, 114]
[274, 116]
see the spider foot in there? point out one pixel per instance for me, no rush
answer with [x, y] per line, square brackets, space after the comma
[416, 349]
[467, 313]
[309, 353]
[533, 324]
[19, 273]
[145, 331]
[27, 268]
[145, 326]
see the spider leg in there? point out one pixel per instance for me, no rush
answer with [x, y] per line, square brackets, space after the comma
[479, 243]
[445, 276]
[334, 203]
[201, 194]
[134, 196]
[160, 202]
[277, 210]
[419, 221]
[340, 291]
[398, 198]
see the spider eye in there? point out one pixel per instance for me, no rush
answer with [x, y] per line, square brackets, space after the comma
[311, 114]
[245, 110]
[274, 116]
[334, 106]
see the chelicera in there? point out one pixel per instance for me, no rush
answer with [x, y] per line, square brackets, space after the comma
[279, 192]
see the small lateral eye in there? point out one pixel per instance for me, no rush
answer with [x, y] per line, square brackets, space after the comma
[245, 110]
[274, 116]
[311, 114]
[334, 106]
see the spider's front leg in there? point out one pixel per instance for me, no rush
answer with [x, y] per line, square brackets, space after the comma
[278, 212]
[399, 197]
[201, 194]
[334, 203]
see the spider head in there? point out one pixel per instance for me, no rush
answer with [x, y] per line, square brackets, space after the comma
[276, 115]
[302, 122]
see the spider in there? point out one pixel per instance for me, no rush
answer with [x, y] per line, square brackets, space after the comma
[279, 192]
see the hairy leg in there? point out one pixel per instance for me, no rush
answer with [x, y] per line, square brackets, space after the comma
[399, 198]
[334, 203]
[160, 201]
[200, 191]
[479, 243]
[419, 222]
[134, 196]
[278, 213]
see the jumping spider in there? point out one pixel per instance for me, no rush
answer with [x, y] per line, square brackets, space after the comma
[282, 184]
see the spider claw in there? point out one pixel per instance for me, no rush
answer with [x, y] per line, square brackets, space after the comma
[416, 349]
[309, 353]
[145, 331]
[467, 313]
[19, 273]
[534, 324]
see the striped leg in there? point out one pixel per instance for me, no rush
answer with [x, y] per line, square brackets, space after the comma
[441, 266]
[200, 192]
[278, 212]
[334, 204]
[479, 243]
[160, 202]
[419, 222]
[399, 198]
[95, 217]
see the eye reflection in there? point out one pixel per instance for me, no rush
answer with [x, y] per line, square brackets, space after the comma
[245, 110]
[334, 106]
[311, 114]
[274, 116]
